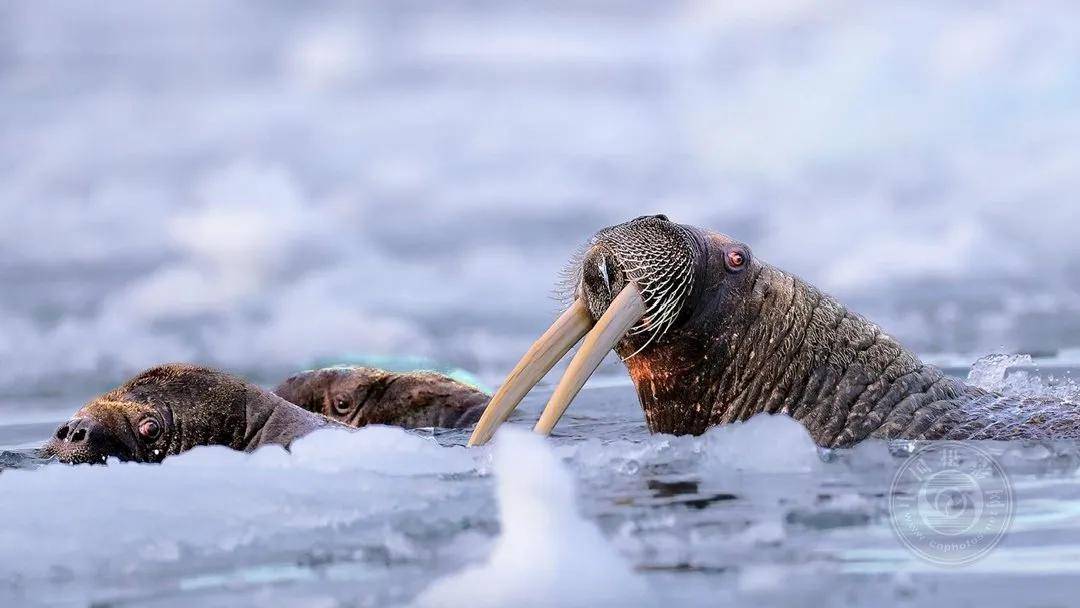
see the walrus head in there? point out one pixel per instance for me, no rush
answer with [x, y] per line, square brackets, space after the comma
[660, 294]
[105, 428]
[172, 408]
[359, 396]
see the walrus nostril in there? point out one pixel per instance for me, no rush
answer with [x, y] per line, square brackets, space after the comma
[78, 435]
[62, 432]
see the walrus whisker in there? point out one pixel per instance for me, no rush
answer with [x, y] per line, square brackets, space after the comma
[552, 346]
[670, 313]
[668, 304]
[567, 287]
[663, 273]
[626, 309]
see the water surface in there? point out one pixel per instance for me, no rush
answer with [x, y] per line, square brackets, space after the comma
[743, 515]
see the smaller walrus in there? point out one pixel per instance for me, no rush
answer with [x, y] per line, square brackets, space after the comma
[359, 396]
[172, 408]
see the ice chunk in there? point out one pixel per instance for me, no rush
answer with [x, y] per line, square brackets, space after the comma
[214, 501]
[594, 457]
[548, 555]
[381, 449]
[763, 444]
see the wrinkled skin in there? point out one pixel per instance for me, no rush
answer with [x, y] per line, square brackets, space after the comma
[751, 338]
[182, 406]
[170, 409]
[359, 396]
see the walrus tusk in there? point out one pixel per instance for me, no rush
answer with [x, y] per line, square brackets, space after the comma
[534, 365]
[626, 310]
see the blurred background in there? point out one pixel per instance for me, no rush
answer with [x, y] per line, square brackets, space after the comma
[257, 185]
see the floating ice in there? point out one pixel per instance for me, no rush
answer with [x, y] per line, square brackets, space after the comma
[383, 449]
[762, 444]
[91, 524]
[548, 555]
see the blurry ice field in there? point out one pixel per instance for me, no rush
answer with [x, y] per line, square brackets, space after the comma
[261, 185]
[258, 185]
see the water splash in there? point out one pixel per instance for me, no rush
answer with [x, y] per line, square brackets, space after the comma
[546, 555]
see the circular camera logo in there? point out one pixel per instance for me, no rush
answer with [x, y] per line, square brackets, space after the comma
[950, 503]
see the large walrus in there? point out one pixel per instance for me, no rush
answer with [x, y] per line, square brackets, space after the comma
[710, 335]
[170, 409]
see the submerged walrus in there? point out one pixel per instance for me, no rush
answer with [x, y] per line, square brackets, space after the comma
[358, 396]
[711, 335]
[170, 409]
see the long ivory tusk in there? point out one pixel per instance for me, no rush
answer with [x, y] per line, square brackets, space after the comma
[534, 365]
[626, 310]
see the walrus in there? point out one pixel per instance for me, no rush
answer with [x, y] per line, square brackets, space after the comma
[172, 408]
[358, 396]
[710, 335]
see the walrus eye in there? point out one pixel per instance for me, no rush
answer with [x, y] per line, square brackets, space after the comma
[149, 429]
[735, 259]
[339, 407]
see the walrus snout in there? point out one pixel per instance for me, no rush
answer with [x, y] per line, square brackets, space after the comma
[84, 439]
[631, 287]
[655, 254]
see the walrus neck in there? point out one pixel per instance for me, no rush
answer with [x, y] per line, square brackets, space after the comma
[784, 347]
